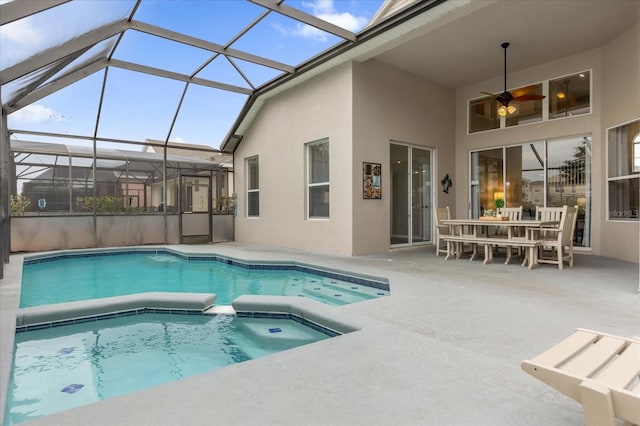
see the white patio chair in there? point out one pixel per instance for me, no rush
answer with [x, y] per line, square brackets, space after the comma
[556, 244]
[442, 213]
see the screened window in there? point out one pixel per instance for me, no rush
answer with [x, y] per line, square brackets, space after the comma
[318, 179]
[623, 181]
[253, 187]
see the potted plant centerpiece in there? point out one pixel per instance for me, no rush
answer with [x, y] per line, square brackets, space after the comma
[498, 204]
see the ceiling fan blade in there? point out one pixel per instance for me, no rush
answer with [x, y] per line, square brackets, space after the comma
[490, 94]
[523, 98]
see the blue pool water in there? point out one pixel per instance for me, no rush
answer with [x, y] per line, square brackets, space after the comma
[67, 279]
[60, 368]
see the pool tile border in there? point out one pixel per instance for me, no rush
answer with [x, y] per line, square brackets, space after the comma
[182, 312]
[377, 283]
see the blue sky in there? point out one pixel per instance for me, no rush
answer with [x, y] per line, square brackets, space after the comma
[140, 106]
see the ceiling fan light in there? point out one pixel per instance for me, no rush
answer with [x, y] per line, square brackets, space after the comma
[511, 109]
[502, 110]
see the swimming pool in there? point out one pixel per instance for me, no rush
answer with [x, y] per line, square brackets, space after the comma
[74, 276]
[59, 368]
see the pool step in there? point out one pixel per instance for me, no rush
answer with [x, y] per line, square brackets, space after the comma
[221, 310]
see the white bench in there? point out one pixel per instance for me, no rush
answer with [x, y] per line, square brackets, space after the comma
[455, 242]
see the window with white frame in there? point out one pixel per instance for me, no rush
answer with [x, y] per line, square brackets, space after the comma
[544, 173]
[570, 95]
[623, 171]
[565, 96]
[253, 187]
[318, 180]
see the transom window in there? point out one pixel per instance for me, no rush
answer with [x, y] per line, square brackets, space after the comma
[565, 96]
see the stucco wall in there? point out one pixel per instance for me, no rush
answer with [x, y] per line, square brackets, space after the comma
[620, 104]
[314, 110]
[393, 105]
[614, 81]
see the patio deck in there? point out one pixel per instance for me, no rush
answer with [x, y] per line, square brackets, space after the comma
[444, 349]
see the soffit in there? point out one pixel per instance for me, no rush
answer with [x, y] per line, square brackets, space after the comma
[467, 49]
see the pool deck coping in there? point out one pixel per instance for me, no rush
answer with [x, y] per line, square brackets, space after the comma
[69, 312]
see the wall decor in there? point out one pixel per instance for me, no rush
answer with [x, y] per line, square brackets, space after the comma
[371, 181]
[446, 183]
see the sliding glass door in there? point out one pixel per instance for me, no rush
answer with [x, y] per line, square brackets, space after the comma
[541, 173]
[411, 195]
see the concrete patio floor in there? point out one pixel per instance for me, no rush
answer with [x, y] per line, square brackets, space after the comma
[443, 349]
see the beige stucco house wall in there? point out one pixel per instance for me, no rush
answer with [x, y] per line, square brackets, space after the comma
[393, 105]
[360, 108]
[615, 100]
[314, 110]
[620, 104]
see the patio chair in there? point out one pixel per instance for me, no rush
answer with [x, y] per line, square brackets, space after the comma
[548, 214]
[513, 213]
[598, 370]
[442, 213]
[556, 244]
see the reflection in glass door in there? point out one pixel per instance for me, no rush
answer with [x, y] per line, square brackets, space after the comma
[411, 195]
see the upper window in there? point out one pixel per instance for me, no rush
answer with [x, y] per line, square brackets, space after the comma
[566, 97]
[318, 179]
[570, 95]
[623, 174]
[528, 111]
[253, 187]
[483, 114]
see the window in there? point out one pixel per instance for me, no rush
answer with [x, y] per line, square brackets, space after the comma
[538, 173]
[318, 179]
[529, 111]
[253, 187]
[483, 114]
[570, 95]
[566, 96]
[623, 171]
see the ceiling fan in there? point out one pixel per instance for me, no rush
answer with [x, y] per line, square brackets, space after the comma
[506, 97]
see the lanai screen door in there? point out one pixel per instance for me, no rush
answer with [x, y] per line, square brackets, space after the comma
[195, 209]
[411, 195]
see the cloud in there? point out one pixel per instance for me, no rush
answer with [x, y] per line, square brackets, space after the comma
[36, 114]
[325, 10]
[17, 38]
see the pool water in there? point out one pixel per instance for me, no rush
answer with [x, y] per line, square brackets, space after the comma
[60, 368]
[76, 278]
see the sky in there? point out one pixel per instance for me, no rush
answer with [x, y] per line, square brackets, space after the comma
[140, 106]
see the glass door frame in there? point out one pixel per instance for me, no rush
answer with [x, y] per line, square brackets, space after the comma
[474, 212]
[194, 232]
[409, 196]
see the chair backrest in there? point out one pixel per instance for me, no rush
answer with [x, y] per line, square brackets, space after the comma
[442, 213]
[568, 225]
[572, 212]
[549, 214]
[513, 213]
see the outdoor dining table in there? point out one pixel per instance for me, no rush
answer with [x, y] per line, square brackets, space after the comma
[476, 231]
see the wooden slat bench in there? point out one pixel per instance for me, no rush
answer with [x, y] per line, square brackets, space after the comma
[455, 243]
